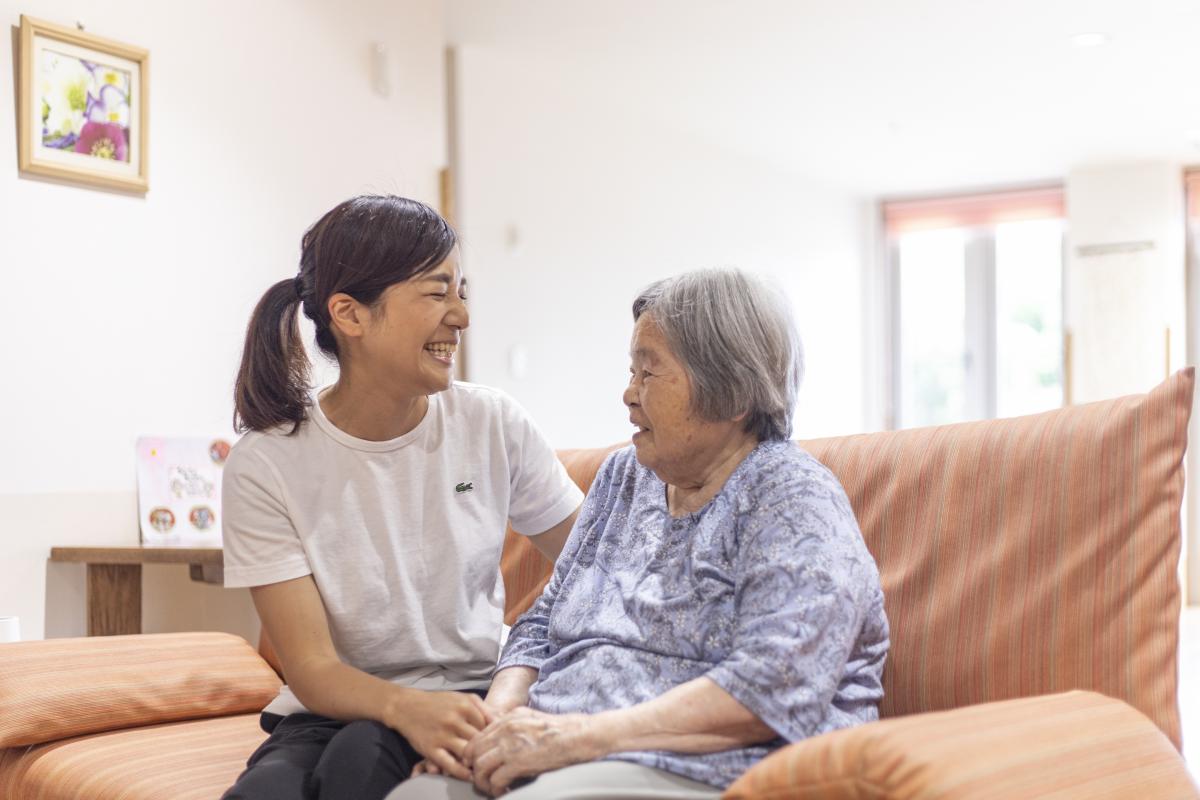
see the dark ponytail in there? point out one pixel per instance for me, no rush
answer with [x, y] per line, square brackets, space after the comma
[360, 248]
[272, 382]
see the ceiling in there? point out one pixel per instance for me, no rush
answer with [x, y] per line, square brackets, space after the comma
[884, 98]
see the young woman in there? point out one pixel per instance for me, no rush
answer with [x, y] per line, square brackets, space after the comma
[368, 518]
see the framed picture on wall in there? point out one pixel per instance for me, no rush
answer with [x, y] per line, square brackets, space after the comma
[82, 107]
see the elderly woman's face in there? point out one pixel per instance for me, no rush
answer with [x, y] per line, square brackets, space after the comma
[671, 439]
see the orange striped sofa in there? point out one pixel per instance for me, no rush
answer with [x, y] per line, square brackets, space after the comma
[1030, 573]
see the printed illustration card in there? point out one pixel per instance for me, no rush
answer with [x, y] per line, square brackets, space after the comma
[179, 490]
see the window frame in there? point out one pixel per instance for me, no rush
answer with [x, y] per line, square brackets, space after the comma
[1190, 557]
[978, 214]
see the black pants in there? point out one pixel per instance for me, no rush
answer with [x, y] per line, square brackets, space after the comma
[310, 757]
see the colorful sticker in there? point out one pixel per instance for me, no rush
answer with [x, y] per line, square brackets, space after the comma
[201, 517]
[161, 519]
[218, 451]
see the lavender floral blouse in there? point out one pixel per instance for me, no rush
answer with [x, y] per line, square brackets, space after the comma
[768, 591]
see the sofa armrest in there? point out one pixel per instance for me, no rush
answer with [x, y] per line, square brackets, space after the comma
[1076, 744]
[53, 689]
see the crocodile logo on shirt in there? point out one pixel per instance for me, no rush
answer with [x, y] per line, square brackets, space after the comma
[464, 487]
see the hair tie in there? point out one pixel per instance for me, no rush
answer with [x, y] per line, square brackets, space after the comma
[298, 285]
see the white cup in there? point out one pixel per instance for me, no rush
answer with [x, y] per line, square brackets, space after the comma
[10, 629]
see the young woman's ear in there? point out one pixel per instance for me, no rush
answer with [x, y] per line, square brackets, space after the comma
[347, 316]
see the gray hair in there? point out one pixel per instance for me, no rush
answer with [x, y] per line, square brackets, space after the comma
[736, 338]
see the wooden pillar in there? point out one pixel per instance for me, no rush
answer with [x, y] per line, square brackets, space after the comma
[114, 599]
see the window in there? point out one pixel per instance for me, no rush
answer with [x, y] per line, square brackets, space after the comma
[977, 306]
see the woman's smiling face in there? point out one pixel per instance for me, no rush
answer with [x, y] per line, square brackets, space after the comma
[414, 331]
[671, 438]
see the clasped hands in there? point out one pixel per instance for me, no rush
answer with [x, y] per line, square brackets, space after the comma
[517, 743]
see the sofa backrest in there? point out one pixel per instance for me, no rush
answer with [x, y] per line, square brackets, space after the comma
[1018, 556]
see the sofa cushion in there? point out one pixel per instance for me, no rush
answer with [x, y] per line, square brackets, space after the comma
[524, 568]
[65, 687]
[1030, 555]
[196, 760]
[1077, 744]
[1018, 556]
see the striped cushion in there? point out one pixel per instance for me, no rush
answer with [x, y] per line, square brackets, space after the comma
[1028, 556]
[1018, 556]
[195, 760]
[1072, 745]
[65, 687]
[525, 570]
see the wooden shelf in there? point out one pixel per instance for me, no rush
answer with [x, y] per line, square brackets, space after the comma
[213, 556]
[114, 579]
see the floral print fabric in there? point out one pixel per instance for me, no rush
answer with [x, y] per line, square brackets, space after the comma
[768, 591]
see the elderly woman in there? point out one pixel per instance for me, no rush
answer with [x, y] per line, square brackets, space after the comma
[715, 599]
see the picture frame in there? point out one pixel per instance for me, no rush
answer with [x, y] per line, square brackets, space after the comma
[83, 108]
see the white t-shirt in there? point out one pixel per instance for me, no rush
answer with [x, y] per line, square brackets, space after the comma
[402, 537]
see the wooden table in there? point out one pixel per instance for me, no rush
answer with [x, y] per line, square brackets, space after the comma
[114, 579]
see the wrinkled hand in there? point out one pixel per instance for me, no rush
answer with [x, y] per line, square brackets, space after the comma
[525, 742]
[440, 724]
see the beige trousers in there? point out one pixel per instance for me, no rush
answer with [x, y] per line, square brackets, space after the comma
[597, 780]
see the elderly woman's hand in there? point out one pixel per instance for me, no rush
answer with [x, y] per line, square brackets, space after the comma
[524, 742]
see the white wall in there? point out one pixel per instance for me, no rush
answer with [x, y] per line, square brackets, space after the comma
[1125, 293]
[124, 315]
[570, 202]
[1120, 304]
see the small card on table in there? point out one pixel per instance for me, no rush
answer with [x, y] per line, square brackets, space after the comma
[179, 490]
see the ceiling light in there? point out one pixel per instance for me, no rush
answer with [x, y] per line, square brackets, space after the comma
[1089, 39]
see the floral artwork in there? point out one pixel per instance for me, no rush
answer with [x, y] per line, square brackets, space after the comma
[82, 108]
[85, 106]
